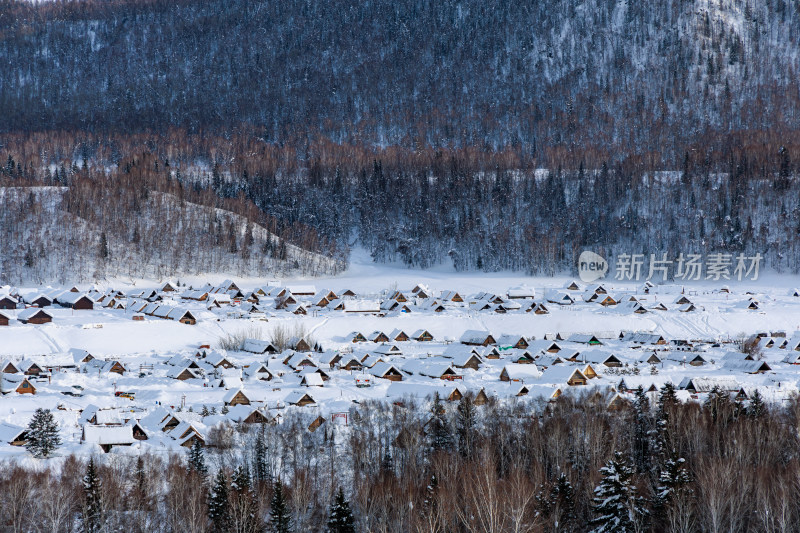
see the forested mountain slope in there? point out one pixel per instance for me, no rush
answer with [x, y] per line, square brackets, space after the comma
[640, 77]
[488, 136]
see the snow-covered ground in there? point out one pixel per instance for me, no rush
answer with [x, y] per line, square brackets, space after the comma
[153, 351]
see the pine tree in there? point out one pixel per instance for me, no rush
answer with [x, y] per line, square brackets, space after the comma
[280, 519]
[30, 260]
[218, 506]
[141, 476]
[197, 459]
[244, 505]
[465, 425]
[43, 436]
[440, 437]
[562, 499]
[557, 505]
[103, 251]
[387, 463]
[93, 493]
[261, 468]
[225, 410]
[757, 407]
[429, 504]
[340, 519]
[719, 405]
[616, 505]
[667, 400]
[673, 482]
[641, 431]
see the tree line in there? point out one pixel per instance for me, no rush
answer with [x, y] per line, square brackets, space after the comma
[473, 210]
[650, 464]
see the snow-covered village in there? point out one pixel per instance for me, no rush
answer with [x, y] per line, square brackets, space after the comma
[181, 370]
[161, 367]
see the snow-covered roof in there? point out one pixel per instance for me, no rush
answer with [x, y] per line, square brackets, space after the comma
[475, 336]
[521, 372]
[10, 432]
[706, 384]
[108, 435]
[258, 346]
[313, 379]
[560, 374]
[522, 291]
[231, 394]
[361, 306]
[30, 312]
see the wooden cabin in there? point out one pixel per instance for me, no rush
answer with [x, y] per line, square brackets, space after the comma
[185, 374]
[454, 396]
[33, 315]
[187, 318]
[300, 399]
[481, 398]
[25, 387]
[386, 371]
[378, 336]
[236, 397]
[13, 435]
[477, 338]
[356, 337]
[422, 335]
[7, 302]
[398, 335]
[301, 345]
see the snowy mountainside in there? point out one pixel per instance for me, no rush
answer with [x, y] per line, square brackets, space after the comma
[45, 242]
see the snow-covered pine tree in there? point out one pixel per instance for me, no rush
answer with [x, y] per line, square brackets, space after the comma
[197, 459]
[431, 496]
[225, 410]
[387, 462]
[340, 519]
[261, 470]
[618, 508]
[673, 482]
[439, 433]
[757, 407]
[93, 499]
[719, 405]
[218, 510]
[244, 505]
[43, 436]
[562, 499]
[642, 426]
[557, 505]
[665, 406]
[280, 519]
[466, 419]
[140, 477]
[204, 411]
[103, 247]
